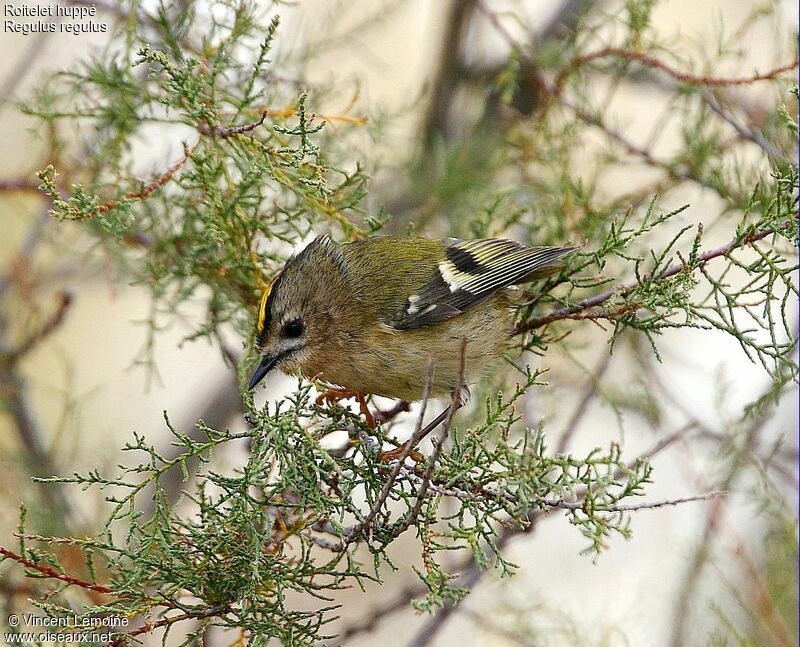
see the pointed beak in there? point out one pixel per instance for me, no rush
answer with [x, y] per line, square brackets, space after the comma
[267, 364]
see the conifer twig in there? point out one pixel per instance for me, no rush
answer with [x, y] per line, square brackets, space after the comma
[567, 311]
[230, 131]
[48, 571]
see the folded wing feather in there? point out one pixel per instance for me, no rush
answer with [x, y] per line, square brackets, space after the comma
[472, 271]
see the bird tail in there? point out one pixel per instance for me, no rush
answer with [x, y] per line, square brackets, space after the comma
[547, 261]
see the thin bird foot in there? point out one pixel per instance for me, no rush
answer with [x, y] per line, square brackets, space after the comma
[407, 448]
[334, 395]
[397, 454]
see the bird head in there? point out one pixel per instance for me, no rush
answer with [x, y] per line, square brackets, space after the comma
[298, 310]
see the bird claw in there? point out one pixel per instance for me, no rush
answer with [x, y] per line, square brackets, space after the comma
[397, 453]
[334, 395]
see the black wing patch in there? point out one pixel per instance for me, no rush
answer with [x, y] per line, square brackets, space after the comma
[472, 271]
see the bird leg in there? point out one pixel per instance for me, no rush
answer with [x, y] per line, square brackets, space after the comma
[407, 448]
[334, 395]
[397, 453]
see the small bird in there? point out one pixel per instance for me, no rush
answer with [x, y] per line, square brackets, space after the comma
[370, 314]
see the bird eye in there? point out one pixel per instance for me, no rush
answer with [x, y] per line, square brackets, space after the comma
[294, 328]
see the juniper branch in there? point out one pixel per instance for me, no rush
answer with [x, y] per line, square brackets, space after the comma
[48, 571]
[591, 302]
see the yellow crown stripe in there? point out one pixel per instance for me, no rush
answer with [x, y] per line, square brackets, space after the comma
[262, 307]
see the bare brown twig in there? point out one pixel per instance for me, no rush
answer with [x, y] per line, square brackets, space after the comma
[230, 131]
[50, 325]
[51, 572]
[19, 185]
[472, 573]
[652, 61]
[17, 404]
[753, 135]
[715, 519]
[401, 406]
[412, 515]
[589, 393]
[395, 470]
[407, 447]
[632, 148]
[632, 507]
[149, 188]
[554, 90]
[198, 614]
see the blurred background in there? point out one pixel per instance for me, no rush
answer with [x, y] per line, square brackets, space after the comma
[423, 76]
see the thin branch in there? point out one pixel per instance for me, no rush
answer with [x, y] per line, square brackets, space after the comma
[149, 188]
[589, 393]
[472, 572]
[580, 505]
[49, 174]
[412, 515]
[52, 323]
[585, 304]
[666, 441]
[716, 515]
[199, 614]
[18, 405]
[369, 621]
[468, 580]
[622, 140]
[450, 69]
[353, 533]
[48, 571]
[555, 90]
[20, 185]
[398, 464]
[751, 135]
[401, 406]
[230, 131]
[37, 457]
[652, 61]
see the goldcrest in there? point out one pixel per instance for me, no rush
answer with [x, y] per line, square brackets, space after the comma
[368, 315]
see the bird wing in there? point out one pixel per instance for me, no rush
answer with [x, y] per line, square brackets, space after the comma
[472, 271]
